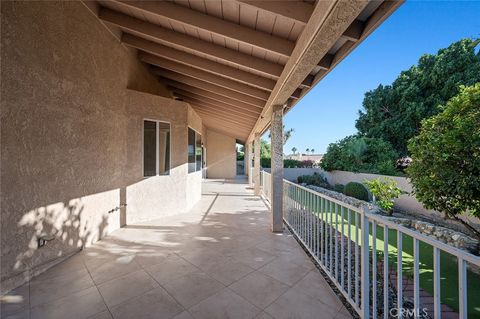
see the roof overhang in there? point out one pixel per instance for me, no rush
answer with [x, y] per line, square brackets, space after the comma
[233, 60]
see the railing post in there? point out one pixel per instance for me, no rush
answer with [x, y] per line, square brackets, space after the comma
[248, 162]
[256, 165]
[276, 190]
[365, 281]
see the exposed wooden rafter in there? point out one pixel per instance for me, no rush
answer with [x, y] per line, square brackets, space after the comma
[217, 110]
[326, 62]
[235, 123]
[159, 34]
[327, 23]
[174, 85]
[221, 115]
[259, 103]
[199, 63]
[298, 11]
[227, 107]
[165, 64]
[354, 31]
[215, 25]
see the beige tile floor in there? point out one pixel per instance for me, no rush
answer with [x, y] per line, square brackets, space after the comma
[219, 260]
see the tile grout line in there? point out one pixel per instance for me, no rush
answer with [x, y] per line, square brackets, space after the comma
[96, 287]
[165, 289]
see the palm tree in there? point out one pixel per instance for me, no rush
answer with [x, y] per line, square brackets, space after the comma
[312, 150]
[294, 150]
[307, 150]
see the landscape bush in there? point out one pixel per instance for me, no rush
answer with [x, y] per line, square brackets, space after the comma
[339, 188]
[357, 190]
[306, 164]
[384, 191]
[265, 162]
[291, 163]
[316, 179]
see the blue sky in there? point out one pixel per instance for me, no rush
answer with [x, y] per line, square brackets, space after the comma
[328, 112]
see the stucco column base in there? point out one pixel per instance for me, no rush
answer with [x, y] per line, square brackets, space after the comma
[256, 165]
[276, 131]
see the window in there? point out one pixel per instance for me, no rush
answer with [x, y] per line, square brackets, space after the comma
[194, 151]
[156, 148]
[198, 152]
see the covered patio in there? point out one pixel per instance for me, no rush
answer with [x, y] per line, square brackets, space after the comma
[118, 155]
[219, 260]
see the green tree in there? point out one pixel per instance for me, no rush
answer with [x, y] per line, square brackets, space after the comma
[312, 150]
[445, 171]
[307, 150]
[360, 154]
[265, 149]
[294, 150]
[394, 112]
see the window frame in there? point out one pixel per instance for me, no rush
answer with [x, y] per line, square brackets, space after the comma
[157, 147]
[195, 150]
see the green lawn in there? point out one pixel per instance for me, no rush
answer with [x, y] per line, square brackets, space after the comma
[448, 265]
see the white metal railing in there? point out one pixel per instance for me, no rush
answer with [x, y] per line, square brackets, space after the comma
[346, 241]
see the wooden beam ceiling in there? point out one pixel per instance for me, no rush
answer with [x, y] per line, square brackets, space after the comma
[235, 71]
[259, 103]
[298, 11]
[172, 66]
[327, 23]
[213, 121]
[213, 96]
[205, 110]
[239, 137]
[159, 34]
[227, 107]
[219, 111]
[354, 31]
[226, 129]
[232, 122]
[326, 62]
[230, 110]
[215, 25]
[199, 63]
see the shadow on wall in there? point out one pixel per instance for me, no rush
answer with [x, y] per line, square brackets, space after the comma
[67, 226]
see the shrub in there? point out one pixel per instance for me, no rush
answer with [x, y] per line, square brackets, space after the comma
[360, 154]
[339, 188]
[306, 164]
[445, 168]
[265, 162]
[384, 192]
[291, 163]
[356, 190]
[315, 179]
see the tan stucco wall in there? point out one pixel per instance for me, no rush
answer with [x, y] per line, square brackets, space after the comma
[71, 136]
[221, 155]
[154, 197]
